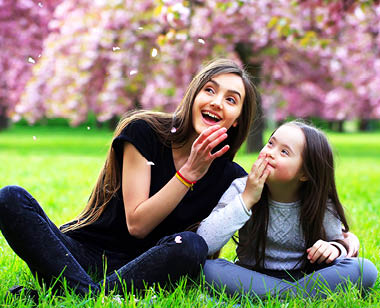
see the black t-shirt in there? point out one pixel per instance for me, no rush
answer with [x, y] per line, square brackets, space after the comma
[110, 231]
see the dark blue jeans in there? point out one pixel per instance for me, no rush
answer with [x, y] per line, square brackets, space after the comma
[50, 253]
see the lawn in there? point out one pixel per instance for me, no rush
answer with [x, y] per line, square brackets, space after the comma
[59, 166]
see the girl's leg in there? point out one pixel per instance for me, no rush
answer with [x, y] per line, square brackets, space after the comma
[30, 233]
[340, 274]
[233, 278]
[173, 256]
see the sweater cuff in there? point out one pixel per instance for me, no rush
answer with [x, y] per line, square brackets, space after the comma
[248, 212]
[341, 248]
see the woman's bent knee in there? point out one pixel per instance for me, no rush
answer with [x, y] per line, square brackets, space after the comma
[11, 200]
[188, 248]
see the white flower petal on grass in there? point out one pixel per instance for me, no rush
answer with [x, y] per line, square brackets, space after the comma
[34, 138]
[88, 127]
[178, 239]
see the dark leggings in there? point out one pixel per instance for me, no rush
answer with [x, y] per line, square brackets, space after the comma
[50, 253]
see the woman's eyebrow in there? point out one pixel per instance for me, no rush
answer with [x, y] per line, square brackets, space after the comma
[228, 90]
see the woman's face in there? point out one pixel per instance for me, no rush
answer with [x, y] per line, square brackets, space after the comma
[220, 101]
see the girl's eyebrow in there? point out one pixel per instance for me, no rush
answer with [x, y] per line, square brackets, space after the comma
[228, 90]
[283, 144]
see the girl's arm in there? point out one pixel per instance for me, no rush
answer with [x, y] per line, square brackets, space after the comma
[331, 249]
[323, 251]
[144, 213]
[233, 209]
[227, 217]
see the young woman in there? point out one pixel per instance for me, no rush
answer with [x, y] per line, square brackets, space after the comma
[291, 220]
[163, 173]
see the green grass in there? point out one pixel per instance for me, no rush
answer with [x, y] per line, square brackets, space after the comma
[60, 165]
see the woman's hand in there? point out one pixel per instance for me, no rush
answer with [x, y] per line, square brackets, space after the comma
[255, 182]
[200, 157]
[322, 251]
[351, 243]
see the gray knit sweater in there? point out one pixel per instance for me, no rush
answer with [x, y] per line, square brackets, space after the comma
[285, 243]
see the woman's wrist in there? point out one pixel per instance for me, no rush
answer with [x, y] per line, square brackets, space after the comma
[187, 174]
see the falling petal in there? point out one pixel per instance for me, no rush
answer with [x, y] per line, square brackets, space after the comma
[140, 28]
[150, 163]
[178, 239]
[31, 60]
[154, 52]
[173, 130]
[39, 55]
[40, 4]
[34, 138]
[132, 72]
[201, 41]
[115, 48]
[88, 127]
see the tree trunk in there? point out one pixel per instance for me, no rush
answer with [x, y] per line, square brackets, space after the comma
[364, 125]
[4, 122]
[255, 137]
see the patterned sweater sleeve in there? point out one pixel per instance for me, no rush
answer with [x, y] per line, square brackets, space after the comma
[228, 216]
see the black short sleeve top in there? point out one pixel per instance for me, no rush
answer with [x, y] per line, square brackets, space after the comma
[110, 230]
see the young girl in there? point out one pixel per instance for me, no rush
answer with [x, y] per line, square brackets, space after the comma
[291, 222]
[158, 180]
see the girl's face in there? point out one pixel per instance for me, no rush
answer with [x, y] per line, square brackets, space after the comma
[220, 101]
[284, 153]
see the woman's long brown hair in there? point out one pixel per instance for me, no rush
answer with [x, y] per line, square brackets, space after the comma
[109, 180]
[318, 167]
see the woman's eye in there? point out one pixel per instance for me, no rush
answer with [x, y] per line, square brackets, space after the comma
[270, 142]
[209, 90]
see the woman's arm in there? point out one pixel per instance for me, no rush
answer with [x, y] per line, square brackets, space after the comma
[144, 213]
[351, 243]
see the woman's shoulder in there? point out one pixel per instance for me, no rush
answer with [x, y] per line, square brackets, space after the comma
[233, 169]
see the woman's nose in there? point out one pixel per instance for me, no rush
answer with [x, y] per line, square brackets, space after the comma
[216, 102]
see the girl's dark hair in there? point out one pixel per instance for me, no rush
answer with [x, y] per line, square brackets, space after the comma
[109, 180]
[318, 167]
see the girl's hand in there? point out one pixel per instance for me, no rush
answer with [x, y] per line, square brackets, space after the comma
[200, 157]
[322, 251]
[255, 182]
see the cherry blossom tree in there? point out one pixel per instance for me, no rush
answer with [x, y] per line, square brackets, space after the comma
[23, 26]
[310, 58]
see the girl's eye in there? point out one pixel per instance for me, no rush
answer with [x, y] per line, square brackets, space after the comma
[231, 100]
[270, 142]
[286, 152]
